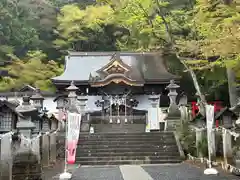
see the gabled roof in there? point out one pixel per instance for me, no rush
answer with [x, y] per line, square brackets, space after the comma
[10, 105]
[79, 66]
[27, 88]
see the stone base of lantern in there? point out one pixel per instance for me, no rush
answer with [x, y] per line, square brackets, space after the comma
[172, 123]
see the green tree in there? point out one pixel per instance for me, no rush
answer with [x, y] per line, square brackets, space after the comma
[86, 30]
[32, 70]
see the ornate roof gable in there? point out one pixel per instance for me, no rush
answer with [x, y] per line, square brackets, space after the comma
[115, 71]
[115, 65]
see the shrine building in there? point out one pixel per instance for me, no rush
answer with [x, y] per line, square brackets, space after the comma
[118, 86]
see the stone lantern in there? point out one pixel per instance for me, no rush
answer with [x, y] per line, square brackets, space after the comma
[25, 125]
[37, 99]
[46, 123]
[61, 102]
[83, 103]
[72, 96]
[173, 110]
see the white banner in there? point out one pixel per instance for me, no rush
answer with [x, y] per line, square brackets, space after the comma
[210, 122]
[210, 116]
[153, 119]
[74, 124]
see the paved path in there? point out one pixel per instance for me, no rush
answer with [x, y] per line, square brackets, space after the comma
[150, 172]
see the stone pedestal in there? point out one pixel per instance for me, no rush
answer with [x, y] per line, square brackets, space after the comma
[227, 147]
[85, 124]
[45, 146]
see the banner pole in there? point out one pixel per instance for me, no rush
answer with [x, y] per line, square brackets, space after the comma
[65, 175]
[210, 121]
[66, 150]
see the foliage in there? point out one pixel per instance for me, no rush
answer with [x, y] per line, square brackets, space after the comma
[22, 26]
[85, 30]
[216, 25]
[203, 146]
[32, 70]
[207, 32]
[187, 138]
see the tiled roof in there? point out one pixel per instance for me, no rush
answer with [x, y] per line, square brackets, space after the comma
[79, 66]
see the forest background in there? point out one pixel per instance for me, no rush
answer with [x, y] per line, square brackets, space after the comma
[202, 36]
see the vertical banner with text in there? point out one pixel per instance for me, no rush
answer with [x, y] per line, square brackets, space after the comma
[210, 122]
[74, 123]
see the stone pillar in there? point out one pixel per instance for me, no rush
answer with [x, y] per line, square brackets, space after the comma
[6, 157]
[213, 143]
[199, 138]
[54, 124]
[45, 147]
[184, 114]
[227, 147]
[173, 110]
[53, 147]
[85, 124]
[36, 146]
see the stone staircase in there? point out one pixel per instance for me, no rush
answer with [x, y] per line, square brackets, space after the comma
[119, 128]
[127, 148]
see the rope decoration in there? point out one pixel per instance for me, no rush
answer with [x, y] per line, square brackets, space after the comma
[224, 166]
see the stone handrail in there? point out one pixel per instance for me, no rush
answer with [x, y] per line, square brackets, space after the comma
[180, 149]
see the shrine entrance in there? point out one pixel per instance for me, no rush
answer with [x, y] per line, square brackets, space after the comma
[119, 115]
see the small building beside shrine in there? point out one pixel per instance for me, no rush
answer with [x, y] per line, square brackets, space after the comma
[118, 86]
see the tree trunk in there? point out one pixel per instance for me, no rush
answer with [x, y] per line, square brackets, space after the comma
[232, 89]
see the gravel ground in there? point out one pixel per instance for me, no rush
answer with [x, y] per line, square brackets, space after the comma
[98, 173]
[51, 172]
[182, 171]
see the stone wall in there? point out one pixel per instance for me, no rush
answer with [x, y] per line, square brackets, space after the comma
[22, 158]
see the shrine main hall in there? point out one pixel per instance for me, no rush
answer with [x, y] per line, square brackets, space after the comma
[120, 88]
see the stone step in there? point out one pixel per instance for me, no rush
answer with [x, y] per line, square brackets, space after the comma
[122, 158]
[119, 162]
[107, 154]
[122, 142]
[163, 133]
[119, 127]
[114, 146]
[132, 139]
[128, 149]
[112, 136]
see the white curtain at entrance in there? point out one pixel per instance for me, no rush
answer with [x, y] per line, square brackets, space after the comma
[153, 119]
